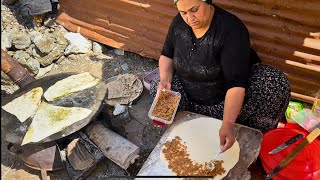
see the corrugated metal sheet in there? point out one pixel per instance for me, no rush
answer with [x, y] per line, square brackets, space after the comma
[285, 33]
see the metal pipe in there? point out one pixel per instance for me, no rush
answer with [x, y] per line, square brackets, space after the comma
[14, 70]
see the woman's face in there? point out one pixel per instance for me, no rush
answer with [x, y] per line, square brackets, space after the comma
[194, 12]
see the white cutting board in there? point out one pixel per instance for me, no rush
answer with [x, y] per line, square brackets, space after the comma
[202, 139]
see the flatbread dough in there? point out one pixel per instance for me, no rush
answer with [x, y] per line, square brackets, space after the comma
[50, 119]
[24, 106]
[122, 86]
[201, 136]
[124, 89]
[70, 85]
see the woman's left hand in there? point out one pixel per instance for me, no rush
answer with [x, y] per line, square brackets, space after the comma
[227, 136]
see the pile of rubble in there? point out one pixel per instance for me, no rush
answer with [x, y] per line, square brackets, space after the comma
[37, 48]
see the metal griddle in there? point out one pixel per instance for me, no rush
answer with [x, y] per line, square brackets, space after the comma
[12, 130]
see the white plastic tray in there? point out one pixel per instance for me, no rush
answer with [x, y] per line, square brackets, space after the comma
[155, 102]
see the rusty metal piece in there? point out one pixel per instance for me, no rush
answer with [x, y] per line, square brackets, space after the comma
[14, 70]
[44, 157]
[39, 156]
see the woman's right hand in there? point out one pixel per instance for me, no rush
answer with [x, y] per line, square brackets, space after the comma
[164, 85]
[166, 73]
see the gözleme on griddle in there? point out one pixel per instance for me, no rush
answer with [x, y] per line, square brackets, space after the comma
[70, 85]
[50, 119]
[25, 106]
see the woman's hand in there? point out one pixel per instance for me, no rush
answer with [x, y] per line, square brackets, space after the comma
[164, 85]
[232, 106]
[227, 136]
[166, 73]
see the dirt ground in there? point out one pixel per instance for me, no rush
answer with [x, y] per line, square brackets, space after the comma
[136, 128]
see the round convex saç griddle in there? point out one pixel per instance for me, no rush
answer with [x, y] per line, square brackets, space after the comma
[12, 130]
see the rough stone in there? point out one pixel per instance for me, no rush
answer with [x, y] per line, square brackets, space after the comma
[7, 85]
[48, 31]
[125, 66]
[29, 50]
[77, 44]
[61, 40]
[11, 53]
[97, 48]
[33, 51]
[43, 71]
[6, 40]
[55, 54]
[50, 35]
[36, 52]
[21, 57]
[105, 56]
[5, 77]
[35, 35]
[45, 43]
[60, 29]
[119, 52]
[22, 28]
[33, 65]
[12, 29]
[21, 41]
[49, 22]
[61, 59]
[77, 57]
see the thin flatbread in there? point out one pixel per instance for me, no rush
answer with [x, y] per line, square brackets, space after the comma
[25, 106]
[124, 89]
[122, 86]
[70, 85]
[50, 119]
[201, 136]
[116, 89]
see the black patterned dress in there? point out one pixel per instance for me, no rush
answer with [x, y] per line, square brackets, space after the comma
[266, 99]
[206, 68]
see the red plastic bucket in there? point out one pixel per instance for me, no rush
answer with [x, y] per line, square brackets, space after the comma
[305, 166]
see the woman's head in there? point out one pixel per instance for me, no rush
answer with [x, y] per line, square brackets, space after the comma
[196, 13]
